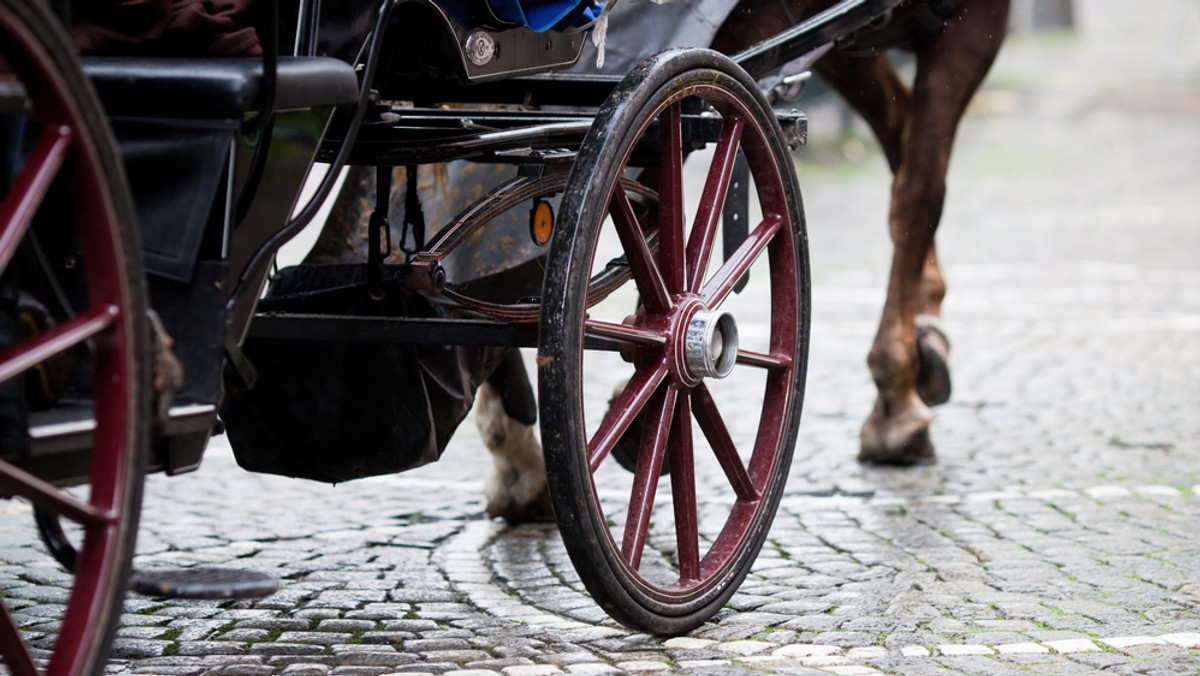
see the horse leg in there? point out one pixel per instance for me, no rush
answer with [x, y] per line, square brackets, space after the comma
[950, 67]
[874, 90]
[505, 413]
[872, 87]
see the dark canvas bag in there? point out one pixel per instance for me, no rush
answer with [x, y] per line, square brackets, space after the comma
[339, 410]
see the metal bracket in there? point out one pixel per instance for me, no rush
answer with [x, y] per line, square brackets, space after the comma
[735, 213]
[379, 233]
[239, 365]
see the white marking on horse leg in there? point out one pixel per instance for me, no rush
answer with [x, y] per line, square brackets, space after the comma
[516, 488]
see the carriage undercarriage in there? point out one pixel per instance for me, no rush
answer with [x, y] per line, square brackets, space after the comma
[646, 305]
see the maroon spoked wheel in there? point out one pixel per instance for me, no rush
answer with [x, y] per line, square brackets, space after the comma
[697, 383]
[68, 238]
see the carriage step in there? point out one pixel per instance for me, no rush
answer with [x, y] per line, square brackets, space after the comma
[203, 583]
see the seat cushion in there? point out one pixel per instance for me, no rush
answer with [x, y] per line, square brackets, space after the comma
[216, 87]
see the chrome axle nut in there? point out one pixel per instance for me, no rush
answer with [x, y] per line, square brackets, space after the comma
[711, 344]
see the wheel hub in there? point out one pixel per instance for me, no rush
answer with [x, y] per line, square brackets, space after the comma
[708, 344]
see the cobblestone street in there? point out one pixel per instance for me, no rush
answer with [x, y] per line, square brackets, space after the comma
[1056, 534]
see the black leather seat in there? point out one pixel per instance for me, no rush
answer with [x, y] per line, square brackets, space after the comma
[176, 120]
[216, 87]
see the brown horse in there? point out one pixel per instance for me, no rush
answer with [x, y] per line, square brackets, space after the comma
[954, 43]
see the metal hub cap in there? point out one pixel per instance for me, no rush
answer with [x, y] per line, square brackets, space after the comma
[710, 344]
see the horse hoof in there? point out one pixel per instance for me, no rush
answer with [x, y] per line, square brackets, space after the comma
[899, 439]
[933, 369]
[918, 450]
[515, 513]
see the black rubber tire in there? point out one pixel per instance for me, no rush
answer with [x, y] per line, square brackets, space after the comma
[39, 52]
[618, 587]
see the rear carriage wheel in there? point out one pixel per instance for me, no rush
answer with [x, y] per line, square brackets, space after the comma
[703, 382]
[66, 228]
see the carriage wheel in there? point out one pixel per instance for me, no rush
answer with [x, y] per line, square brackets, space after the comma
[68, 193]
[704, 381]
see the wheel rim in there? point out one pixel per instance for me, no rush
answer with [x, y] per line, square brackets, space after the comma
[664, 388]
[66, 151]
[684, 412]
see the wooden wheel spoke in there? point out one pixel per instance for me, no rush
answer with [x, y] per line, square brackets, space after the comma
[624, 333]
[27, 191]
[760, 360]
[622, 411]
[46, 495]
[12, 647]
[645, 481]
[645, 272]
[670, 198]
[704, 229]
[683, 493]
[717, 288]
[22, 356]
[722, 444]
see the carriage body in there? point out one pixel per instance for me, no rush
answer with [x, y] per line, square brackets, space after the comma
[217, 151]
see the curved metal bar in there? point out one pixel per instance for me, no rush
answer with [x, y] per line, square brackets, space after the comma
[500, 200]
[297, 223]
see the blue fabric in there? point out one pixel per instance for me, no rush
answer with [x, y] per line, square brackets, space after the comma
[542, 15]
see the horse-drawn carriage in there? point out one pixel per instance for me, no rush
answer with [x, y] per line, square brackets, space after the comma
[111, 283]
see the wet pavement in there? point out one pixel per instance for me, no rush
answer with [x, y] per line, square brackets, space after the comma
[1057, 532]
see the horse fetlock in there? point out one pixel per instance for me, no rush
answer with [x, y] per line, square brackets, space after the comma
[897, 434]
[891, 362]
[516, 489]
